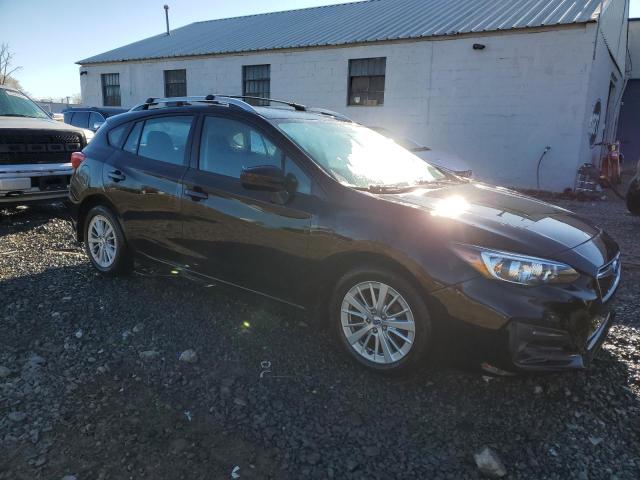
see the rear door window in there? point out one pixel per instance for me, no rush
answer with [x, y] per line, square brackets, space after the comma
[165, 139]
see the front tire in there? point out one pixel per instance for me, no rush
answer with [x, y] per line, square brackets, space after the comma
[381, 320]
[105, 244]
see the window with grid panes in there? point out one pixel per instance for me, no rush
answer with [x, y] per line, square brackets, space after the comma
[256, 82]
[175, 83]
[366, 81]
[111, 89]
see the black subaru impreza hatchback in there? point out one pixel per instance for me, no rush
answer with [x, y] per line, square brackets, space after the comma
[316, 211]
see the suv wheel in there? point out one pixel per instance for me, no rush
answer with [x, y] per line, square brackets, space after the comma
[381, 320]
[105, 243]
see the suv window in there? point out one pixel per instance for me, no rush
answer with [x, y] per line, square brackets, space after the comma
[116, 135]
[94, 118]
[228, 146]
[134, 137]
[80, 119]
[165, 139]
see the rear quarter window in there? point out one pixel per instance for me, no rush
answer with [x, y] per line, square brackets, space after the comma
[115, 136]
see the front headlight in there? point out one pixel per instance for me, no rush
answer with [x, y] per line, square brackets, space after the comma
[514, 268]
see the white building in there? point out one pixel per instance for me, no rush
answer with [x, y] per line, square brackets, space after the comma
[492, 81]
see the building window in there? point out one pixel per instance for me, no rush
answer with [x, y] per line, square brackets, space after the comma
[366, 81]
[111, 89]
[175, 83]
[256, 82]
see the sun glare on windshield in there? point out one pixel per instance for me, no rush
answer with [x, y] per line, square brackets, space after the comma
[358, 156]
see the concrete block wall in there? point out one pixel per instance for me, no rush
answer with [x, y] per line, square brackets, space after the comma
[634, 47]
[497, 108]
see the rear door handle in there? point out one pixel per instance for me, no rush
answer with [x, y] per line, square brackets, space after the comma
[116, 175]
[196, 194]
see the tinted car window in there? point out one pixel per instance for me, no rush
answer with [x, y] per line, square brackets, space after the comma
[228, 146]
[80, 119]
[133, 139]
[67, 117]
[94, 118]
[165, 139]
[116, 135]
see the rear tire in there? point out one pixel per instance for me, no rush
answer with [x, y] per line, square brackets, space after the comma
[105, 243]
[391, 335]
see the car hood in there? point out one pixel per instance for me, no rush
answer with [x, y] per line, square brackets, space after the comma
[496, 217]
[23, 123]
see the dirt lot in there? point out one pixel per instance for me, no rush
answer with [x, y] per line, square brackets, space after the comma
[92, 387]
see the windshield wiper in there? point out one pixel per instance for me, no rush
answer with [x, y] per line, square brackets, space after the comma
[404, 187]
[391, 188]
[15, 115]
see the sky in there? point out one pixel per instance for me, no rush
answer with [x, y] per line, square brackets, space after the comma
[47, 37]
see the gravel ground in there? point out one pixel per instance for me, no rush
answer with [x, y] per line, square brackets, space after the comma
[93, 385]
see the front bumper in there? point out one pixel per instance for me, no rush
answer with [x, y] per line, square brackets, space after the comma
[545, 328]
[21, 184]
[539, 348]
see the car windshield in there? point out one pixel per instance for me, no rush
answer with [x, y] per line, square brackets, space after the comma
[357, 156]
[15, 104]
[402, 141]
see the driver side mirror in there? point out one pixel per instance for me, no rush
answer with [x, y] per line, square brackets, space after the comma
[264, 177]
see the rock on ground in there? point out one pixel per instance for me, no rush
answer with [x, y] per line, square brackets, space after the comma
[489, 463]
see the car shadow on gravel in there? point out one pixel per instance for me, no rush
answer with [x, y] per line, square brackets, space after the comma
[271, 393]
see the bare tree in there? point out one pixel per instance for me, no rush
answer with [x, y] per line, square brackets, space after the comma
[12, 83]
[6, 64]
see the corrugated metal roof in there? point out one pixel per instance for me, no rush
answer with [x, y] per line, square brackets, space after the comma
[367, 21]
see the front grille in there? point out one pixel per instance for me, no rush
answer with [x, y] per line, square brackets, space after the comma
[609, 277]
[37, 148]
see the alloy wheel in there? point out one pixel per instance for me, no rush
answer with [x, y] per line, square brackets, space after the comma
[377, 322]
[102, 241]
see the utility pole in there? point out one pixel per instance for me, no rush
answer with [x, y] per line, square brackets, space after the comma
[166, 15]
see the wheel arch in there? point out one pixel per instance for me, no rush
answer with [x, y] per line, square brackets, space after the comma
[85, 207]
[334, 267]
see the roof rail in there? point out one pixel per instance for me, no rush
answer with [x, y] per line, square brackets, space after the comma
[330, 113]
[236, 101]
[181, 101]
[297, 106]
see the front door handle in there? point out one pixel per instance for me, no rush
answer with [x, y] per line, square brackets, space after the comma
[196, 194]
[116, 175]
